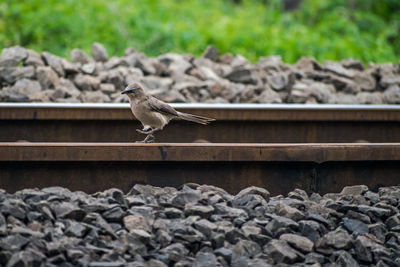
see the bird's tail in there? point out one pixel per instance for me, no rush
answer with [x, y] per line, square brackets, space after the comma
[194, 118]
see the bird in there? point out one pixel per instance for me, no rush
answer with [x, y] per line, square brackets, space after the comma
[153, 113]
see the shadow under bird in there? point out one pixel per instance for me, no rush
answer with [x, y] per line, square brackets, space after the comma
[153, 113]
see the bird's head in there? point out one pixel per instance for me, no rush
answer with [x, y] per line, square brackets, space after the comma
[133, 89]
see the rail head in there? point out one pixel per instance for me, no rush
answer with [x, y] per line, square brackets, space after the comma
[230, 112]
[122, 152]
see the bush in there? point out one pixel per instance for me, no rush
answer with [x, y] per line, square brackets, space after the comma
[362, 29]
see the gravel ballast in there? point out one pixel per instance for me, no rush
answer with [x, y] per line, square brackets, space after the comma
[199, 225]
[27, 76]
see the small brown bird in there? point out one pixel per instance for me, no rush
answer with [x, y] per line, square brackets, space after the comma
[153, 113]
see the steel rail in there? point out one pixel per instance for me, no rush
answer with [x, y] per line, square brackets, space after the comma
[280, 168]
[227, 112]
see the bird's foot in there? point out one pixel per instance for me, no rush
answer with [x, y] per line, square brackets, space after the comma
[149, 139]
[144, 131]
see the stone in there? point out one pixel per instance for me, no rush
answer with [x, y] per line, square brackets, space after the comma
[54, 62]
[355, 226]
[12, 74]
[86, 82]
[211, 52]
[99, 53]
[69, 68]
[365, 80]
[351, 63]
[136, 222]
[281, 252]
[205, 260]
[13, 242]
[33, 59]
[286, 211]
[79, 56]
[89, 68]
[298, 242]
[76, 230]
[26, 87]
[375, 98]
[95, 97]
[12, 56]
[345, 259]
[338, 239]
[26, 258]
[202, 211]
[66, 210]
[47, 77]
[175, 63]
[184, 198]
[278, 81]
[205, 226]
[338, 69]
[245, 76]
[392, 95]
[254, 190]
[354, 190]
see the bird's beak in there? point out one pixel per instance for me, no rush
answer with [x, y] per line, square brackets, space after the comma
[127, 90]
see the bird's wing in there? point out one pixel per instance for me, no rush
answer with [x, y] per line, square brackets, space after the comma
[159, 106]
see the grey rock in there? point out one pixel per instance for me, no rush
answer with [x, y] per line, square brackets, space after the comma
[278, 81]
[202, 211]
[136, 221]
[205, 260]
[337, 69]
[254, 190]
[33, 59]
[26, 87]
[66, 210]
[369, 98]
[107, 88]
[365, 248]
[79, 56]
[338, 239]
[365, 80]
[76, 229]
[13, 242]
[392, 95]
[55, 62]
[69, 67]
[86, 82]
[286, 211]
[175, 63]
[211, 52]
[181, 199]
[345, 84]
[245, 76]
[345, 259]
[298, 242]
[94, 97]
[355, 226]
[281, 252]
[12, 74]
[12, 56]
[99, 53]
[26, 258]
[89, 68]
[351, 63]
[354, 190]
[47, 77]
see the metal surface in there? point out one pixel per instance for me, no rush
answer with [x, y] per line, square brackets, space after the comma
[278, 167]
[236, 123]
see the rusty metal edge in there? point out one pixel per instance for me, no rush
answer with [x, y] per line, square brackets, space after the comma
[228, 112]
[318, 153]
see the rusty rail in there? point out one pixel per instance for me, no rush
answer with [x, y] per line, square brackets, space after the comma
[279, 167]
[236, 123]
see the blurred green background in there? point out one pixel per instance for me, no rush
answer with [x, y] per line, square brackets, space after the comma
[363, 29]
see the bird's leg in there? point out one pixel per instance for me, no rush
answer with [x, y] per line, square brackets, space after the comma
[145, 130]
[153, 130]
[149, 139]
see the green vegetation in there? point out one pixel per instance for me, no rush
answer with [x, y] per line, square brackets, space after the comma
[363, 29]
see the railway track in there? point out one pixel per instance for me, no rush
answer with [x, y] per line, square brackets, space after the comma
[280, 168]
[236, 123]
[89, 147]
